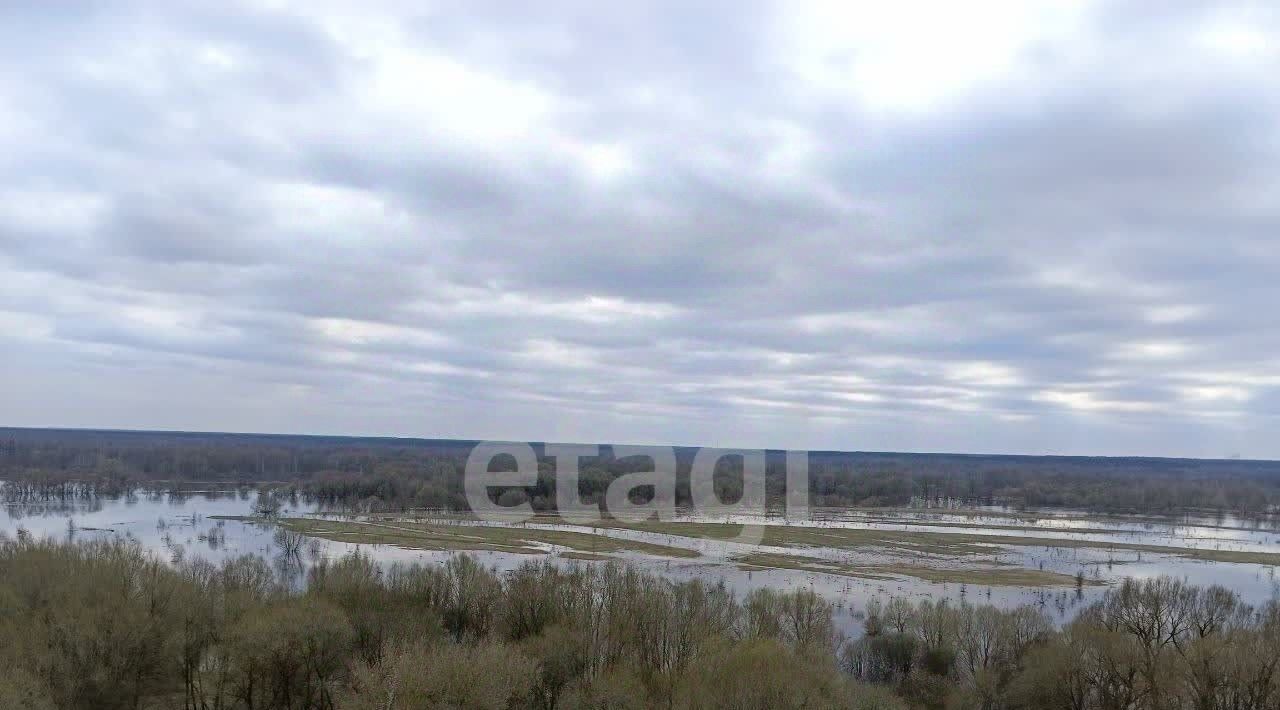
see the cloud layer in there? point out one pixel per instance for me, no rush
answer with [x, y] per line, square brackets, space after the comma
[1011, 226]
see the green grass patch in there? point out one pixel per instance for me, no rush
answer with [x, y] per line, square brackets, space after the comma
[979, 576]
[520, 540]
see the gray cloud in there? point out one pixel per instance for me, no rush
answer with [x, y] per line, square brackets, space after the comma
[723, 224]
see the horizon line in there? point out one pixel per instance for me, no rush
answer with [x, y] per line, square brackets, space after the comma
[384, 437]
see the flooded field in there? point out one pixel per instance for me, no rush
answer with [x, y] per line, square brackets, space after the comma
[1057, 560]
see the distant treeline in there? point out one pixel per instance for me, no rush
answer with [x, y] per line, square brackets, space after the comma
[396, 474]
[105, 626]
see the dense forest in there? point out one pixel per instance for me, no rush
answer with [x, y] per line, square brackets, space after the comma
[105, 626]
[398, 474]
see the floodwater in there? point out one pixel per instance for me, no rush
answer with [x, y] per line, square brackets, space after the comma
[187, 526]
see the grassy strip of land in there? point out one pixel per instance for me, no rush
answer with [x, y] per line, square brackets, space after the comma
[983, 576]
[885, 516]
[519, 540]
[587, 556]
[797, 536]
[933, 543]
[979, 526]
[1184, 518]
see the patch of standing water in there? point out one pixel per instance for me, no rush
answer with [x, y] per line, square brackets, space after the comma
[188, 526]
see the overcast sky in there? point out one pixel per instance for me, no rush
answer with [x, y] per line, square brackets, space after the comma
[987, 227]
